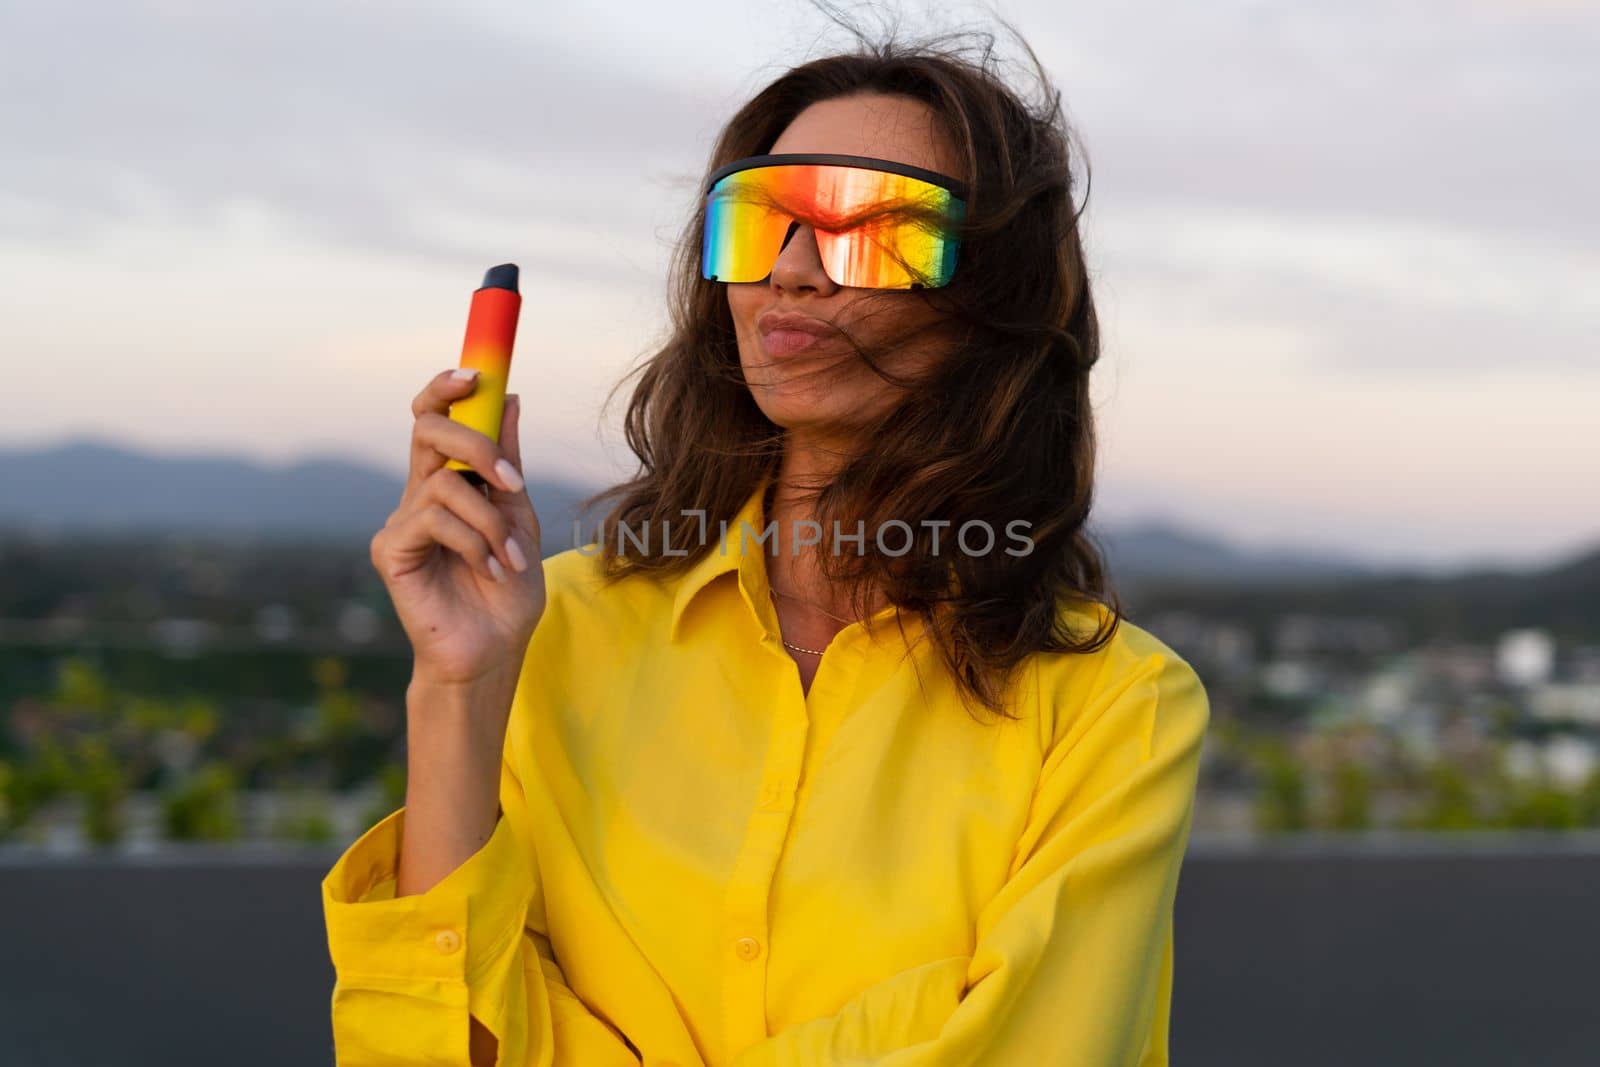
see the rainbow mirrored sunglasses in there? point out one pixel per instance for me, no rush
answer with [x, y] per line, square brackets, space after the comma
[879, 224]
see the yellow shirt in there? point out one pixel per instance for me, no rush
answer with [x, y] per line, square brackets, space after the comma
[698, 864]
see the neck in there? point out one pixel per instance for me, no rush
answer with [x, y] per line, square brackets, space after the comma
[805, 468]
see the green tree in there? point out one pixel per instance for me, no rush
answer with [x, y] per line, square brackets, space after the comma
[391, 795]
[10, 779]
[203, 806]
[102, 781]
[80, 684]
[1588, 801]
[1281, 800]
[1350, 806]
[305, 818]
[1541, 806]
[352, 750]
[1447, 801]
[44, 774]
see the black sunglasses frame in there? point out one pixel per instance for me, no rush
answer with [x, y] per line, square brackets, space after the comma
[956, 187]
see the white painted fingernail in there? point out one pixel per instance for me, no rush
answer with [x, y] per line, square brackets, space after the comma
[496, 569]
[505, 470]
[514, 550]
[464, 373]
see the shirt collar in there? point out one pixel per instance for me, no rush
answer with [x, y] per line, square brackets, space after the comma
[740, 548]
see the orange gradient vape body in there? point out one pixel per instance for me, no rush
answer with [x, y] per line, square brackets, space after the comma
[491, 332]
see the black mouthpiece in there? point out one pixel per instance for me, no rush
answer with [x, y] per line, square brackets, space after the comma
[502, 277]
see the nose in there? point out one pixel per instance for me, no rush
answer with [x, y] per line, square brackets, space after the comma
[800, 267]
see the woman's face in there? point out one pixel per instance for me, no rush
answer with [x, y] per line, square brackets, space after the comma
[823, 392]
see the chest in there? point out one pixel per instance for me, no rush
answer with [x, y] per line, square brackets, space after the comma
[797, 834]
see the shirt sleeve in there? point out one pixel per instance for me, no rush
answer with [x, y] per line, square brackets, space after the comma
[413, 972]
[1073, 957]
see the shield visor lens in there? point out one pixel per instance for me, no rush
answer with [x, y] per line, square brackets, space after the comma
[875, 229]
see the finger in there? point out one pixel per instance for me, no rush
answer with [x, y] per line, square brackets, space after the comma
[421, 528]
[442, 390]
[436, 438]
[510, 436]
[447, 487]
[517, 506]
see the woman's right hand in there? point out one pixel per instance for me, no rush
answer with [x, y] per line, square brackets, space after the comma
[463, 569]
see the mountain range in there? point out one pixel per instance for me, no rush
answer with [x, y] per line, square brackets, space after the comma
[99, 486]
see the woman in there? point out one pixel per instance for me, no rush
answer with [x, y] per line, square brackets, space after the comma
[913, 794]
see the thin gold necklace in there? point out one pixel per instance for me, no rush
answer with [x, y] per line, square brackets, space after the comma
[774, 594]
[811, 604]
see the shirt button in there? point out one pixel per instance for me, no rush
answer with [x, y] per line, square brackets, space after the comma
[446, 941]
[747, 947]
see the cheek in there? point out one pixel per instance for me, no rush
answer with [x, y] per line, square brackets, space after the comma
[743, 307]
[742, 304]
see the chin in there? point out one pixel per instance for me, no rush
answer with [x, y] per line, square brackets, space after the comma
[833, 433]
[792, 416]
[809, 399]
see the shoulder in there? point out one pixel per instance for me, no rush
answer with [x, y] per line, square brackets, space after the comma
[576, 588]
[593, 623]
[594, 640]
[573, 576]
[1134, 687]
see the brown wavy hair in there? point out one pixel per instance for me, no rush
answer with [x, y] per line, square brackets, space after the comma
[999, 429]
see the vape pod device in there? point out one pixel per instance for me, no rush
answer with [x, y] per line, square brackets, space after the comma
[491, 331]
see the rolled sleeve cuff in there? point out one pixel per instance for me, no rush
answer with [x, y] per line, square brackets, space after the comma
[449, 933]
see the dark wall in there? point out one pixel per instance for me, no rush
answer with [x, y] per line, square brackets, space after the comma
[1287, 957]
[1296, 958]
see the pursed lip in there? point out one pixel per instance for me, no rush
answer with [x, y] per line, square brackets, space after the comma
[789, 320]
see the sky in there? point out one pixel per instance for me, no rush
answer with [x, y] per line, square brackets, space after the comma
[1346, 256]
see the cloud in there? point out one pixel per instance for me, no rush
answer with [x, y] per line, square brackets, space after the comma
[355, 122]
[1455, 116]
[1366, 297]
[357, 119]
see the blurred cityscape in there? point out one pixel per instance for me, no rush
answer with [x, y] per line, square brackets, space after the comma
[1410, 715]
[159, 687]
